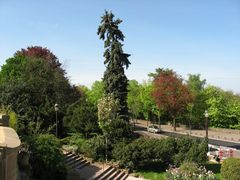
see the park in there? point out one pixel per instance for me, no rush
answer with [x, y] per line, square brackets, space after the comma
[166, 127]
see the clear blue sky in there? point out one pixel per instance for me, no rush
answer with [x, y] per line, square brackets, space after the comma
[185, 35]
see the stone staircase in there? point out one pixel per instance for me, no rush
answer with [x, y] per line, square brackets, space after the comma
[80, 164]
[74, 161]
[112, 173]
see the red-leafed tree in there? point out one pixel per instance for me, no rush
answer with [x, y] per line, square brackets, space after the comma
[170, 94]
[41, 53]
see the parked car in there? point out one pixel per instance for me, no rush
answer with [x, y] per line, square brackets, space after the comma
[153, 129]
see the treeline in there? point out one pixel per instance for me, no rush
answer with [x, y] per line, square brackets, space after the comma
[223, 106]
[33, 80]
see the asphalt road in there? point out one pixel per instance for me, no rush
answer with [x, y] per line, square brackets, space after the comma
[174, 134]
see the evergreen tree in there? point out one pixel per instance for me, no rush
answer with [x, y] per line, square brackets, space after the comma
[115, 81]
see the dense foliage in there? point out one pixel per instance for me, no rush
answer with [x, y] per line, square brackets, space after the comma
[114, 128]
[46, 158]
[161, 152]
[81, 117]
[31, 86]
[134, 100]
[198, 106]
[230, 169]
[96, 92]
[115, 81]
[223, 107]
[170, 94]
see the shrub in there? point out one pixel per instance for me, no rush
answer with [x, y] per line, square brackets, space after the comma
[95, 148]
[189, 171]
[145, 152]
[190, 150]
[75, 142]
[119, 130]
[230, 169]
[46, 158]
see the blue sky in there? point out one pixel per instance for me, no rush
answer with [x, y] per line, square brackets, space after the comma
[185, 35]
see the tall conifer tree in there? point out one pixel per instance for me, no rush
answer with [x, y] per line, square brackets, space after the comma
[115, 80]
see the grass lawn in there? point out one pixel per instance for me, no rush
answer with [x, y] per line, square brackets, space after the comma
[153, 172]
[152, 175]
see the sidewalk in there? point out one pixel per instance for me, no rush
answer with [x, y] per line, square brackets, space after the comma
[213, 133]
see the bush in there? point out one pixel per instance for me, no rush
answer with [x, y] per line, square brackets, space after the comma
[230, 169]
[145, 152]
[95, 148]
[46, 158]
[189, 171]
[191, 150]
[119, 130]
[75, 142]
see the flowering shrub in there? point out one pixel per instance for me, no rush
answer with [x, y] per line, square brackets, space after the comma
[189, 171]
[107, 111]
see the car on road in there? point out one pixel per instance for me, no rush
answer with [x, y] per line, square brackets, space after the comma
[153, 129]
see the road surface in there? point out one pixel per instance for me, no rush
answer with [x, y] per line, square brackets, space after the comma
[143, 130]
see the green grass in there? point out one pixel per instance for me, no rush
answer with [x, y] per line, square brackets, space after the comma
[153, 172]
[152, 175]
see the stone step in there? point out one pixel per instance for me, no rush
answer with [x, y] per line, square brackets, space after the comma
[108, 174]
[120, 176]
[72, 158]
[82, 165]
[78, 163]
[67, 153]
[125, 176]
[114, 175]
[102, 174]
[69, 156]
[75, 161]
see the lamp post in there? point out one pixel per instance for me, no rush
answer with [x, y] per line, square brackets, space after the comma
[56, 108]
[206, 122]
[190, 119]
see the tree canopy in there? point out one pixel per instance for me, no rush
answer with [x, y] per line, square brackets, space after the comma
[170, 94]
[31, 86]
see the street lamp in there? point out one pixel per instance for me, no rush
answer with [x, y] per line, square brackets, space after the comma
[56, 108]
[206, 122]
[190, 119]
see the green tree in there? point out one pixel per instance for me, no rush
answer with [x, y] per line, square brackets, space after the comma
[81, 117]
[198, 106]
[223, 107]
[30, 87]
[115, 80]
[148, 106]
[134, 100]
[96, 92]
